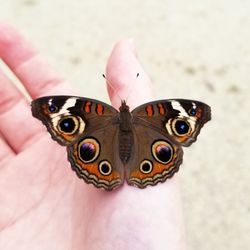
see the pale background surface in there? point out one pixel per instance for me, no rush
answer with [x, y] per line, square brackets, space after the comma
[191, 49]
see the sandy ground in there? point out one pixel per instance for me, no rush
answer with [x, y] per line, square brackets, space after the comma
[191, 49]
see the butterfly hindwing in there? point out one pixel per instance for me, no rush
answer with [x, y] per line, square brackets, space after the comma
[95, 158]
[156, 158]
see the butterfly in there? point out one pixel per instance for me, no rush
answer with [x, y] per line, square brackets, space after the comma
[106, 146]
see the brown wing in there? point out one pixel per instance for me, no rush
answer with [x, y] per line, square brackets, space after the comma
[180, 119]
[89, 129]
[68, 117]
[156, 157]
[95, 158]
[160, 129]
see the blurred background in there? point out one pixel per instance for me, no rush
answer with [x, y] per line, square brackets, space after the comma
[191, 49]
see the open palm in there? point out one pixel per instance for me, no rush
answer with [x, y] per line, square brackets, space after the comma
[43, 205]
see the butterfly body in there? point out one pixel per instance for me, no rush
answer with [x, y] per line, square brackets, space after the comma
[125, 132]
[106, 146]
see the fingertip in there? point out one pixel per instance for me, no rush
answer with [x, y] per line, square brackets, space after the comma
[14, 48]
[126, 77]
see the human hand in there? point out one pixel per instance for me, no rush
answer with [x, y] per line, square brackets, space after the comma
[43, 203]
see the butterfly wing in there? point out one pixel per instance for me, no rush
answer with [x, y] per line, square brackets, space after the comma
[155, 158]
[89, 129]
[95, 158]
[68, 117]
[160, 129]
[180, 119]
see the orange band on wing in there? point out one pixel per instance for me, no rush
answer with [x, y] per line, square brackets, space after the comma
[92, 168]
[99, 109]
[150, 110]
[87, 107]
[45, 109]
[158, 169]
[67, 137]
[199, 113]
[161, 109]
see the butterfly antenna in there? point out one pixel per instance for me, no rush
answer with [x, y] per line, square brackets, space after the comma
[112, 87]
[132, 87]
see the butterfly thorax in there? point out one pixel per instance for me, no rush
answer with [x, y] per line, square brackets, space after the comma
[125, 118]
[125, 132]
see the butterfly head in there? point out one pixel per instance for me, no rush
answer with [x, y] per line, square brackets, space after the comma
[124, 107]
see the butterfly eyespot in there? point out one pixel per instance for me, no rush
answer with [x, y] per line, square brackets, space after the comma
[162, 151]
[192, 111]
[88, 150]
[68, 125]
[105, 168]
[52, 108]
[181, 127]
[146, 167]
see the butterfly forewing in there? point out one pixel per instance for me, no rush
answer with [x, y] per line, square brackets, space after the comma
[68, 117]
[179, 118]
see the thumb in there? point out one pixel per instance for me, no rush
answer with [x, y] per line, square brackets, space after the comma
[122, 76]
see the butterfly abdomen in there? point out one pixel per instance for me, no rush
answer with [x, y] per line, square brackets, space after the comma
[125, 145]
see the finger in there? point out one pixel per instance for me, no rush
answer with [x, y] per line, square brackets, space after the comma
[163, 198]
[122, 69]
[34, 72]
[6, 153]
[17, 125]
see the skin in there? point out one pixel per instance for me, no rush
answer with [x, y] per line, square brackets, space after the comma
[43, 204]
